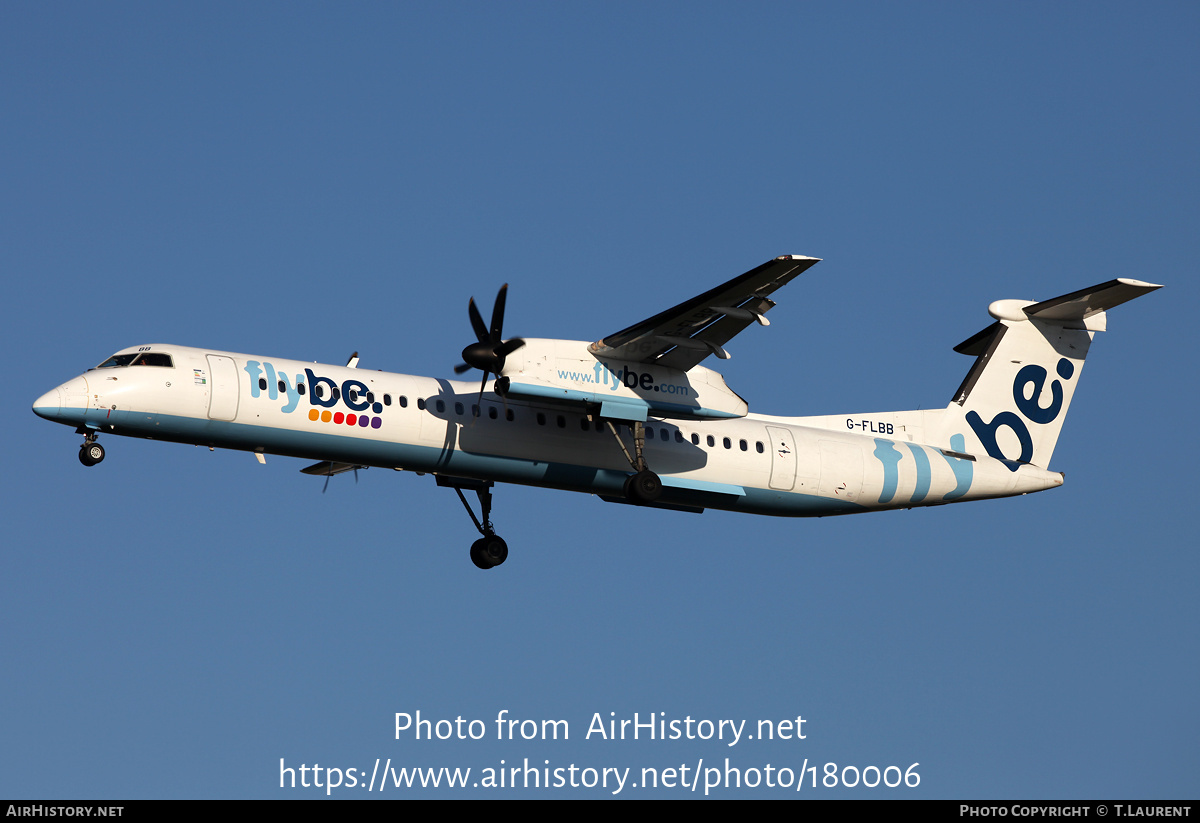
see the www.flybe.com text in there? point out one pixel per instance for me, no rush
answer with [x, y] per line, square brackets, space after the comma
[603, 374]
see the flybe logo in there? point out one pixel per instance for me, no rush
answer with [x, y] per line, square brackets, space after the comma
[887, 453]
[605, 375]
[323, 393]
[1029, 375]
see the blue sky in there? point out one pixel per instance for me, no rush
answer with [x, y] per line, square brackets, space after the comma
[310, 180]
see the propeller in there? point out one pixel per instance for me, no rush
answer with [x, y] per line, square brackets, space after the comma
[490, 350]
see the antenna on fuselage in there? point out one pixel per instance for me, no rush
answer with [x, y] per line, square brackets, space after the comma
[352, 363]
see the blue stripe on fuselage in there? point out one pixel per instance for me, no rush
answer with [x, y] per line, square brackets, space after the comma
[454, 462]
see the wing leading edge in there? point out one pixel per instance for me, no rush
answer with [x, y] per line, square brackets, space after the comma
[682, 336]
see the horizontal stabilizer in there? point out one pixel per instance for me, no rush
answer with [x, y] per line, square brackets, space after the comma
[1083, 309]
[1080, 305]
[978, 343]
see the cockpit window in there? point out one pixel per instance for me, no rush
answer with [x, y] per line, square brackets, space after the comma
[149, 358]
[117, 360]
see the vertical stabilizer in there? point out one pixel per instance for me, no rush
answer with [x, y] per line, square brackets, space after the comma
[1013, 401]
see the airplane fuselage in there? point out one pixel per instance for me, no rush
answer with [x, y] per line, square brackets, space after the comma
[757, 464]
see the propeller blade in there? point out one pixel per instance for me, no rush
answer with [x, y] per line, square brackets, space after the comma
[498, 314]
[481, 331]
[508, 347]
[463, 368]
[477, 412]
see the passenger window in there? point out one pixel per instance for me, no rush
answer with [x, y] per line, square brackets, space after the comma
[262, 383]
[727, 443]
[300, 388]
[541, 418]
[664, 435]
[420, 403]
[441, 405]
[711, 440]
[458, 408]
[492, 413]
[562, 422]
[508, 415]
[743, 445]
[319, 391]
[337, 393]
[649, 433]
[695, 439]
[759, 446]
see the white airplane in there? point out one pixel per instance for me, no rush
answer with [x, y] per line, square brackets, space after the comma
[632, 417]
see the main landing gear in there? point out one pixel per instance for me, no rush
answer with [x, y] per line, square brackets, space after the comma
[490, 550]
[91, 452]
[643, 486]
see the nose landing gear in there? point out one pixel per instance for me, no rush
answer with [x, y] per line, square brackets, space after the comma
[91, 452]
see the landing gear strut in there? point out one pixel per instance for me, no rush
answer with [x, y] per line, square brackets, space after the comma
[91, 452]
[643, 486]
[490, 550]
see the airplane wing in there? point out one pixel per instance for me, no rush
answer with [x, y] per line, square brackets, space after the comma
[683, 336]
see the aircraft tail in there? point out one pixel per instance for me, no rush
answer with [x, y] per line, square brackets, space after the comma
[1014, 399]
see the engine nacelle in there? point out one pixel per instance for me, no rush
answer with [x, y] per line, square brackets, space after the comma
[566, 371]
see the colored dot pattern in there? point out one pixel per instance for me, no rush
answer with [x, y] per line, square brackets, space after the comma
[338, 418]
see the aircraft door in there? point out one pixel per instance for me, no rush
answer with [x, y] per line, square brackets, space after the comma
[223, 394]
[783, 458]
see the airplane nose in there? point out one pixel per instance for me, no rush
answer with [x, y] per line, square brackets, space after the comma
[66, 404]
[48, 404]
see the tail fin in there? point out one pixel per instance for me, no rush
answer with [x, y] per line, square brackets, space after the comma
[1012, 403]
